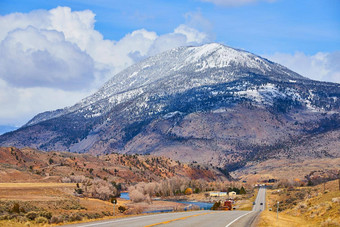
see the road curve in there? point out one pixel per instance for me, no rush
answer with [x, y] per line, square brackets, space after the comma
[201, 218]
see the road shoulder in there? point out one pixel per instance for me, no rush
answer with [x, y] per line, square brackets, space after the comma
[247, 220]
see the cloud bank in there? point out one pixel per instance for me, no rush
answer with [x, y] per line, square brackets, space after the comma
[43, 58]
[53, 58]
[321, 66]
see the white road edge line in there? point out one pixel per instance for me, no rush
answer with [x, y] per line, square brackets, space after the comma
[123, 219]
[112, 221]
[238, 218]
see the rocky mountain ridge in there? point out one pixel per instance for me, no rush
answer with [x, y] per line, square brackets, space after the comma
[210, 104]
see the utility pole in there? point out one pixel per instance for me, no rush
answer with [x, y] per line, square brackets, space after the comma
[277, 211]
[114, 202]
[324, 185]
[339, 179]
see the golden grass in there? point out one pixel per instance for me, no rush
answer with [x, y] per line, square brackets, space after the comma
[36, 185]
[319, 210]
[11, 223]
[268, 218]
[35, 191]
[248, 204]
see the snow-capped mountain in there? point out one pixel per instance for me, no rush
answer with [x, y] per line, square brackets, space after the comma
[226, 105]
[173, 72]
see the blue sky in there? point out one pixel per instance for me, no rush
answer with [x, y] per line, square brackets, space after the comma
[39, 38]
[309, 26]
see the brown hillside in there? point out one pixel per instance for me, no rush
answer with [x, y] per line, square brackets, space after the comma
[30, 165]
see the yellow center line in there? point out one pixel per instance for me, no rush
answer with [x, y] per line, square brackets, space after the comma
[182, 218]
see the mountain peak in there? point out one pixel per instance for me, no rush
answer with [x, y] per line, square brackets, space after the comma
[177, 70]
[215, 55]
[227, 105]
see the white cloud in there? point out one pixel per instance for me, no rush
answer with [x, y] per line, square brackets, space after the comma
[42, 58]
[321, 66]
[53, 58]
[192, 35]
[234, 2]
[183, 35]
[18, 105]
[77, 28]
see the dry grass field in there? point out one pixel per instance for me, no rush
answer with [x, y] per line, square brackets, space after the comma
[268, 219]
[247, 203]
[304, 206]
[35, 191]
[58, 200]
[54, 198]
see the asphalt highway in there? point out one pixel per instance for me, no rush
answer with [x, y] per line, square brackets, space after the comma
[260, 201]
[201, 218]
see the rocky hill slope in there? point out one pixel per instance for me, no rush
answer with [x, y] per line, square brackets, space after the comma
[30, 165]
[209, 104]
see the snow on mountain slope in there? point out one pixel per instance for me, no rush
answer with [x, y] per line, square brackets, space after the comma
[176, 66]
[211, 104]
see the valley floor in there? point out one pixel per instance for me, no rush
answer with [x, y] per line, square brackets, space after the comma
[20, 202]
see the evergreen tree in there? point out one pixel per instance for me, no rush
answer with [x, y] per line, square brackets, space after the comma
[243, 191]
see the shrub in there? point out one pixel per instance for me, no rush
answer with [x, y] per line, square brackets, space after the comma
[188, 191]
[78, 191]
[329, 222]
[46, 214]
[107, 213]
[41, 220]
[134, 210]
[136, 196]
[56, 220]
[15, 208]
[31, 215]
[74, 179]
[93, 215]
[77, 178]
[13, 216]
[70, 205]
[302, 205]
[103, 190]
[65, 180]
[121, 209]
[216, 205]
[22, 219]
[75, 217]
[243, 191]
[4, 217]
[284, 183]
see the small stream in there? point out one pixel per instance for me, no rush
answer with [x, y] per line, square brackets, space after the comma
[201, 205]
[124, 195]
